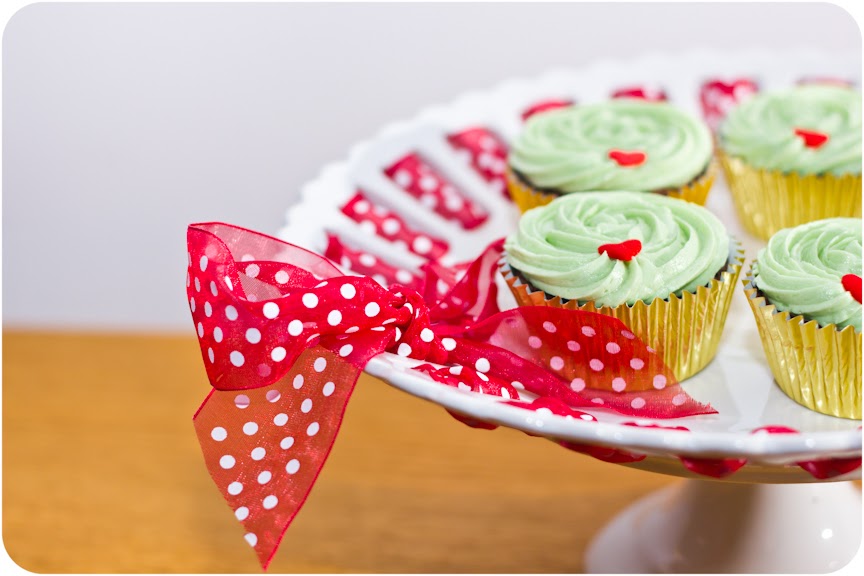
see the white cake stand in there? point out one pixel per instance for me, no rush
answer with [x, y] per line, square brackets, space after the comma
[769, 516]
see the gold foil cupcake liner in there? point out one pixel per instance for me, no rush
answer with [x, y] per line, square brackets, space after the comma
[768, 200]
[527, 197]
[817, 366]
[685, 330]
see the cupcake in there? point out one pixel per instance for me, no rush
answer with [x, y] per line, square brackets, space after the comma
[622, 144]
[794, 156]
[664, 267]
[805, 291]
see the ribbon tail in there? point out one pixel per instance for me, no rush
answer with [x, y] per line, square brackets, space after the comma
[265, 447]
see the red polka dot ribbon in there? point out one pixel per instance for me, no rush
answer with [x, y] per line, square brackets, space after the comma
[284, 335]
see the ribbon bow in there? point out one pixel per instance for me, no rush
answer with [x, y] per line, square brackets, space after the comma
[284, 335]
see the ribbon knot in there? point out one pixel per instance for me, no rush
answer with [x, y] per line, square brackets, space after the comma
[284, 335]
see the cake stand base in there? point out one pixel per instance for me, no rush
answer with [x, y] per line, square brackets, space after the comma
[700, 526]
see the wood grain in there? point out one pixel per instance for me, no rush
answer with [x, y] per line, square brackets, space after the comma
[102, 473]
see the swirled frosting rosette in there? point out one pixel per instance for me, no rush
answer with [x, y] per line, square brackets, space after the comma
[804, 289]
[623, 144]
[793, 156]
[664, 267]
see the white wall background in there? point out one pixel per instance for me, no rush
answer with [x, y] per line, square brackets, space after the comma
[123, 123]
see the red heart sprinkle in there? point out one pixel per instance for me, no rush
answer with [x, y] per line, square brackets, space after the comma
[628, 250]
[812, 139]
[852, 284]
[627, 158]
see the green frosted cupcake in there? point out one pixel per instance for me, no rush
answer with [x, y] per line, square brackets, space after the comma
[664, 267]
[622, 144]
[794, 156]
[805, 292]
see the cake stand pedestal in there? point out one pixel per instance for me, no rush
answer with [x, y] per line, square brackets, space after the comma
[703, 526]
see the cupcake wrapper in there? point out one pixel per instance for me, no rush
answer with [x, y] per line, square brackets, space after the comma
[768, 201]
[527, 197]
[684, 330]
[817, 366]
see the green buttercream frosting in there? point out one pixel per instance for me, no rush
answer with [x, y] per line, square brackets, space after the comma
[556, 247]
[801, 270]
[761, 131]
[567, 150]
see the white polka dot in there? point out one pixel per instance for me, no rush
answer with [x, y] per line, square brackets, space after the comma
[264, 477]
[229, 283]
[252, 270]
[659, 381]
[549, 327]
[320, 364]
[619, 384]
[271, 310]
[638, 403]
[422, 244]
[404, 349]
[217, 334]
[348, 291]
[597, 401]
[482, 377]
[293, 466]
[250, 428]
[426, 335]
[679, 399]
[203, 263]
[595, 364]
[230, 312]
[298, 381]
[544, 411]
[372, 309]
[352, 329]
[650, 349]
[210, 354]
[556, 362]
[403, 277]
[253, 336]
[241, 401]
[278, 354]
[197, 285]
[235, 488]
[390, 226]
[264, 370]
[334, 317]
[346, 350]
[269, 502]
[218, 433]
[258, 453]
[312, 429]
[280, 419]
[192, 304]
[208, 309]
[577, 384]
[534, 342]
[306, 406]
[310, 300]
[247, 258]
[273, 395]
[237, 358]
[463, 386]
[449, 344]
[200, 330]
[482, 365]
[612, 348]
[367, 260]
[328, 389]
[637, 363]
[295, 328]
[627, 334]
[251, 539]
[518, 385]
[588, 417]
[241, 513]
[286, 442]
[227, 462]
[281, 277]
[361, 207]
[213, 289]
[573, 346]
[588, 331]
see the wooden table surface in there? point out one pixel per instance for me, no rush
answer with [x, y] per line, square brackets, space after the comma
[102, 473]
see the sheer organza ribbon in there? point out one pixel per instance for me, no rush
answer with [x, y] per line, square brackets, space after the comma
[284, 335]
